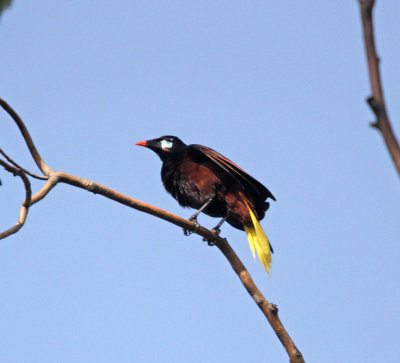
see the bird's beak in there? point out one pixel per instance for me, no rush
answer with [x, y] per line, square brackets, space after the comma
[141, 143]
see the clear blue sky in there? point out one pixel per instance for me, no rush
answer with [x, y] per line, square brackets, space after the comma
[279, 88]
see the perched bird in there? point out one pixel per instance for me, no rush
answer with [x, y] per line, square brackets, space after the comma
[201, 178]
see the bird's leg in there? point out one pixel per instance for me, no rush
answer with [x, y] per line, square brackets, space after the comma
[216, 228]
[193, 218]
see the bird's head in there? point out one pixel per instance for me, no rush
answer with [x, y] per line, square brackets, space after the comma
[165, 146]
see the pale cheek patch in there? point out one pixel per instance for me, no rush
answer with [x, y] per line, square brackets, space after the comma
[166, 145]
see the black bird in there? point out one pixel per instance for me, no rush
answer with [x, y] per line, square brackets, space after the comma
[201, 178]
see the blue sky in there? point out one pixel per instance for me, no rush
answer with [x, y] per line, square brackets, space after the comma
[279, 88]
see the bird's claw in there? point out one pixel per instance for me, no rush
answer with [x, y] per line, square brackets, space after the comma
[188, 232]
[216, 231]
[209, 242]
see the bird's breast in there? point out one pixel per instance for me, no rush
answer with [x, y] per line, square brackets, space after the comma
[191, 184]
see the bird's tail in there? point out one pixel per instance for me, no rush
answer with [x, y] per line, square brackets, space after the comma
[258, 241]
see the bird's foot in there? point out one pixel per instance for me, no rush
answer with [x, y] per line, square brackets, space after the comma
[209, 242]
[188, 232]
[216, 231]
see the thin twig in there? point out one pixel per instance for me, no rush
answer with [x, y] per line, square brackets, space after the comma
[46, 170]
[46, 188]
[377, 101]
[41, 177]
[269, 310]
[26, 203]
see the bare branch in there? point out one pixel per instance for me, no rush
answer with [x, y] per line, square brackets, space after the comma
[46, 170]
[377, 101]
[49, 185]
[41, 177]
[26, 203]
[269, 310]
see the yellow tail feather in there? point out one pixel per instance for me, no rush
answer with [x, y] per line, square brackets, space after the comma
[258, 242]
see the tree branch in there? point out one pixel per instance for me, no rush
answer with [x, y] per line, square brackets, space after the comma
[26, 203]
[21, 168]
[269, 310]
[46, 170]
[377, 101]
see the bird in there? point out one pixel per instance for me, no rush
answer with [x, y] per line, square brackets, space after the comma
[201, 178]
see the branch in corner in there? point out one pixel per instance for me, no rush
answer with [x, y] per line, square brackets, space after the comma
[376, 101]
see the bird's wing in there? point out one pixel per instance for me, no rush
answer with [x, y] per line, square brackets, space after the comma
[246, 180]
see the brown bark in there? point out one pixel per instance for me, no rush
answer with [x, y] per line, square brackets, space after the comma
[23, 212]
[376, 100]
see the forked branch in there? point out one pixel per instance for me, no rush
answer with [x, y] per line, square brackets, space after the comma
[54, 177]
[376, 100]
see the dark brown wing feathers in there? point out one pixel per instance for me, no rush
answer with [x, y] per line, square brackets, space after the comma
[243, 178]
